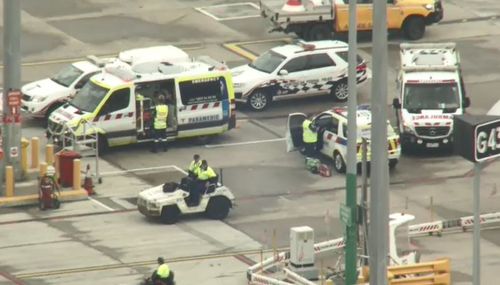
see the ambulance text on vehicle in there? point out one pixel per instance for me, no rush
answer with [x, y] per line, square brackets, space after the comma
[42, 97]
[331, 126]
[431, 91]
[119, 103]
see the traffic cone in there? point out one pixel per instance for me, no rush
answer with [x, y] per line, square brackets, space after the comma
[293, 6]
[88, 184]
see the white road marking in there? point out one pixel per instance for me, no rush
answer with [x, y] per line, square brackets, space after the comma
[111, 173]
[204, 11]
[243, 143]
[101, 204]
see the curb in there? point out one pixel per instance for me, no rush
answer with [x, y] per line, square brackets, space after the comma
[32, 199]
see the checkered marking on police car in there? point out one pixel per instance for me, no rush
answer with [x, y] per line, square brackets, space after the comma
[201, 119]
[113, 117]
[295, 86]
[201, 106]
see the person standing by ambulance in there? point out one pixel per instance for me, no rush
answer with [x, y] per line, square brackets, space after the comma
[309, 137]
[160, 124]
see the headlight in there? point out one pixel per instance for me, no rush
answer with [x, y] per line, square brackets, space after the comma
[39, 98]
[429, 7]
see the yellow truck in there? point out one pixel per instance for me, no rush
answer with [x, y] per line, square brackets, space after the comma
[319, 19]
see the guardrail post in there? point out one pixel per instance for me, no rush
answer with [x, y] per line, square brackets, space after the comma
[35, 148]
[9, 181]
[49, 154]
[76, 174]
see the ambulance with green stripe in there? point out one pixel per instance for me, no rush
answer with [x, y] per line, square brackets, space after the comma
[118, 103]
[331, 126]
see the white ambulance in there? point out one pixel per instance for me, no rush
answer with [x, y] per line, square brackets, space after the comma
[332, 135]
[431, 91]
[42, 97]
[119, 103]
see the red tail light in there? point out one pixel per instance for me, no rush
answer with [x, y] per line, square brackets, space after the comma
[361, 67]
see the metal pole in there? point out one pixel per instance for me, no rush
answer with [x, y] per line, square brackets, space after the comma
[379, 170]
[364, 197]
[476, 269]
[351, 175]
[11, 80]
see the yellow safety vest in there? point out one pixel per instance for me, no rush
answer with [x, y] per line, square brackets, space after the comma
[195, 166]
[161, 117]
[163, 271]
[206, 174]
[308, 136]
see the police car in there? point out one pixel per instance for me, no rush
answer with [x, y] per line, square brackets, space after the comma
[42, 97]
[296, 70]
[332, 135]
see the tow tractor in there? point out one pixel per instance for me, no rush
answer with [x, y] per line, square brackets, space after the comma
[171, 200]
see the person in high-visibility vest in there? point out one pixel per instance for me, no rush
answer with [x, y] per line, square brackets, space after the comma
[162, 273]
[309, 137]
[160, 124]
[194, 166]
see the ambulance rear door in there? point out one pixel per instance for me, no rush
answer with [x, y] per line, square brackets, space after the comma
[203, 105]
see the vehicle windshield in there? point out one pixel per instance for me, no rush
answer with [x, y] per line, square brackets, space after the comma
[431, 96]
[267, 62]
[89, 97]
[67, 75]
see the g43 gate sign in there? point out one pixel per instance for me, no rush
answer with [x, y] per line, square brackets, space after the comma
[477, 138]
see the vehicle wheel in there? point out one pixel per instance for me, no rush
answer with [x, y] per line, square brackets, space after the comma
[405, 148]
[102, 145]
[169, 215]
[259, 100]
[414, 28]
[340, 91]
[393, 163]
[319, 32]
[338, 162]
[218, 208]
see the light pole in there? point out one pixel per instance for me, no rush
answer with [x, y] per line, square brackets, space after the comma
[379, 176]
[351, 254]
[11, 133]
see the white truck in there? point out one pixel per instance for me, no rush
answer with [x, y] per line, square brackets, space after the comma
[430, 92]
[40, 98]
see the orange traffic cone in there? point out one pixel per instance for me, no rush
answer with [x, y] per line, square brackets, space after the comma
[88, 184]
[293, 6]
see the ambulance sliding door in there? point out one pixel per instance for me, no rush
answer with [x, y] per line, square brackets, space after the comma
[203, 106]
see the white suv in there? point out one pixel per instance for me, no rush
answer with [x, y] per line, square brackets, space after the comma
[332, 135]
[295, 70]
[42, 97]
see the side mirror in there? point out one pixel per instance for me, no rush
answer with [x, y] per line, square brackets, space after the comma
[396, 104]
[283, 72]
[466, 102]
[79, 85]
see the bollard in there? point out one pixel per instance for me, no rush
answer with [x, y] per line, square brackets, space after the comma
[43, 169]
[35, 149]
[9, 181]
[329, 282]
[24, 154]
[57, 165]
[49, 154]
[76, 174]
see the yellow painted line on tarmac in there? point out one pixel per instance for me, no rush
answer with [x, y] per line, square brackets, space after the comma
[240, 51]
[73, 59]
[237, 48]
